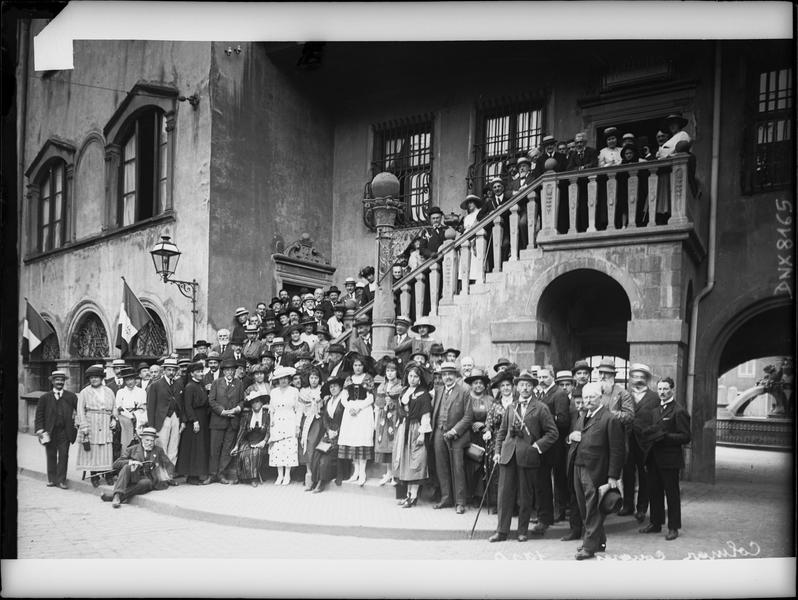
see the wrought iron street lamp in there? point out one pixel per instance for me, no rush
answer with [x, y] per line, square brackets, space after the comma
[165, 257]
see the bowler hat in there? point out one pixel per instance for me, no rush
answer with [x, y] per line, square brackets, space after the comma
[640, 367]
[421, 323]
[195, 366]
[477, 374]
[581, 365]
[213, 355]
[228, 363]
[526, 376]
[607, 365]
[610, 500]
[142, 365]
[333, 288]
[675, 117]
[471, 198]
[454, 351]
[199, 343]
[149, 432]
[435, 210]
[250, 328]
[58, 373]
[502, 362]
[436, 349]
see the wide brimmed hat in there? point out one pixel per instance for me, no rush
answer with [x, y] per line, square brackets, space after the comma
[228, 363]
[471, 198]
[420, 353]
[307, 321]
[291, 329]
[436, 349]
[267, 352]
[610, 499]
[526, 376]
[336, 379]
[262, 398]
[241, 311]
[581, 365]
[640, 367]
[564, 376]
[58, 373]
[506, 375]
[477, 374]
[281, 372]
[675, 117]
[127, 371]
[405, 320]
[199, 343]
[607, 365]
[502, 362]
[340, 306]
[323, 330]
[422, 323]
[95, 371]
[149, 432]
[454, 351]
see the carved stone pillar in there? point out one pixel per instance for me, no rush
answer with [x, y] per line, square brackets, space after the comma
[113, 155]
[679, 191]
[631, 188]
[612, 200]
[652, 197]
[573, 198]
[514, 232]
[592, 189]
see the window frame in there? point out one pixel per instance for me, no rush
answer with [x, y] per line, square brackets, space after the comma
[49, 180]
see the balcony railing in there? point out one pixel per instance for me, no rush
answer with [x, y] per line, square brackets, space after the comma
[601, 189]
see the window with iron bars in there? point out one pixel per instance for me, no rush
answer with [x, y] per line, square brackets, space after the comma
[405, 149]
[770, 143]
[505, 134]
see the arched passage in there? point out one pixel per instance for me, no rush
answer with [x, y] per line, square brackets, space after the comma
[587, 313]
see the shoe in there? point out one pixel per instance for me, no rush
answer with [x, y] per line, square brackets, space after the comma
[385, 479]
[650, 528]
[572, 536]
[318, 489]
[539, 529]
[493, 510]
[394, 483]
[63, 485]
[498, 537]
[584, 555]
[278, 481]
[522, 537]
[602, 548]
[254, 483]
[672, 534]
[459, 509]
[116, 501]
[403, 501]
[95, 481]
[174, 483]
[411, 502]
[106, 497]
[352, 479]
[361, 482]
[440, 505]
[224, 480]
[625, 511]
[640, 516]
[205, 481]
[51, 484]
[309, 488]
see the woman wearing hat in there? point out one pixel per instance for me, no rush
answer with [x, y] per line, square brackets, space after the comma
[193, 454]
[472, 205]
[410, 463]
[253, 435]
[259, 385]
[356, 441]
[385, 404]
[610, 155]
[481, 402]
[325, 465]
[294, 345]
[240, 319]
[418, 252]
[310, 430]
[284, 420]
[503, 382]
[130, 402]
[95, 421]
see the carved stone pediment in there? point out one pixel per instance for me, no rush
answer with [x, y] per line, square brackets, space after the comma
[303, 249]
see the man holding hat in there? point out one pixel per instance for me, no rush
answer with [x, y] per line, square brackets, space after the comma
[451, 421]
[164, 403]
[226, 400]
[527, 431]
[143, 467]
[597, 452]
[55, 426]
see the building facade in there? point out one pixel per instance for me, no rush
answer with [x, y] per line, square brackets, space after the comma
[257, 167]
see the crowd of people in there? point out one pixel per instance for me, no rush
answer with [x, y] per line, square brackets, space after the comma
[274, 395]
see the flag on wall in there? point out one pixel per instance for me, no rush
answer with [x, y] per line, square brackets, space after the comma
[132, 317]
[34, 330]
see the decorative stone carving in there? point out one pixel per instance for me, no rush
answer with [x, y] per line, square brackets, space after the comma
[303, 249]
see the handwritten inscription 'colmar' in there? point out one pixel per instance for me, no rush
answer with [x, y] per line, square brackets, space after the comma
[731, 550]
[784, 247]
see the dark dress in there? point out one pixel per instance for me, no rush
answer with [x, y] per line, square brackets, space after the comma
[324, 466]
[475, 471]
[193, 453]
[410, 459]
[385, 401]
[291, 351]
[251, 461]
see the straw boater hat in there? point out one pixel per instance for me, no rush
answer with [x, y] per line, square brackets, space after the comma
[607, 365]
[149, 432]
[524, 159]
[241, 311]
[496, 179]
[471, 198]
[610, 131]
[564, 376]
[118, 362]
[549, 139]
[526, 376]
[477, 374]
[405, 320]
[170, 362]
[281, 372]
[59, 373]
[423, 323]
[278, 341]
[641, 368]
[448, 367]
[251, 328]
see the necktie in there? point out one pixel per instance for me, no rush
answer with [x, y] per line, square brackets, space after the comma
[58, 395]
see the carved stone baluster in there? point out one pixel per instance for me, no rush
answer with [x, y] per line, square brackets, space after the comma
[449, 271]
[532, 218]
[679, 191]
[497, 244]
[421, 293]
[573, 198]
[631, 188]
[592, 192]
[652, 197]
[480, 257]
[465, 266]
[514, 232]
[434, 279]
[612, 199]
[548, 207]
[405, 298]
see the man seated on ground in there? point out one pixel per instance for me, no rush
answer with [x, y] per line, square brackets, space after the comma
[143, 467]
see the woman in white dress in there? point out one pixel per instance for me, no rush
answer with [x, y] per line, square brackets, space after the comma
[129, 400]
[356, 440]
[471, 204]
[284, 418]
[95, 421]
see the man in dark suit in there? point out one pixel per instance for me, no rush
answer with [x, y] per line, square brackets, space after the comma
[451, 423]
[403, 342]
[222, 344]
[527, 431]
[669, 431]
[435, 235]
[361, 341]
[499, 198]
[226, 400]
[555, 459]
[115, 383]
[598, 452]
[213, 360]
[549, 152]
[646, 400]
[582, 156]
[164, 402]
[55, 426]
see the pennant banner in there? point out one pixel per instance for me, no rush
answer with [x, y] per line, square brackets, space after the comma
[34, 329]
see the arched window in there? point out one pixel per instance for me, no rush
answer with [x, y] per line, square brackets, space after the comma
[49, 192]
[151, 340]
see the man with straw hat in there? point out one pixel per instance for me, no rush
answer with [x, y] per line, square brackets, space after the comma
[55, 426]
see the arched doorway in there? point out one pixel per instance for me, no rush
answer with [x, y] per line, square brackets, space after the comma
[151, 342]
[89, 343]
[587, 313]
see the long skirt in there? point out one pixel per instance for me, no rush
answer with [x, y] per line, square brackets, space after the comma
[409, 457]
[99, 458]
[384, 431]
[250, 462]
[193, 453]
[324, 465]
[315, 433]
[284, 453]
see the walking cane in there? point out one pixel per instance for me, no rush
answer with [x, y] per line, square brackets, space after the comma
[482, 502]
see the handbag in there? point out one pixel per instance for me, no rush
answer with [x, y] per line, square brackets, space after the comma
[475, 452]
[324, 447]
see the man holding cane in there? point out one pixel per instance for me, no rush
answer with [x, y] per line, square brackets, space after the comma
[526, 432]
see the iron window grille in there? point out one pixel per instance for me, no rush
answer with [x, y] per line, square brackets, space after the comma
[505, 133]
[143, 168]
[150, 341]
[90, 339]
[44, 360]
[404, 148]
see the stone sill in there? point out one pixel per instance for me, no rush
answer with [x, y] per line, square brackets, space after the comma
[164, 217]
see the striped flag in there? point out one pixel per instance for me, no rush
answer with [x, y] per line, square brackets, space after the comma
[34, 329]
[132, 317]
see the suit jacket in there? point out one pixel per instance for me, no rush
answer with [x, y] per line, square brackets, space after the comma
[644, 418]
[602, 449]
[588, 160]
[224, 397]
[47, 408]
[557, 401]
[403, 349]
[209, 378]
[516, 185]
[540, 428]
[218, 348]
[159, 469]
[672, 427]
[459, 415]
[540, 165]
[251, 351]
[621, 404]
[161, 398]
[357, 344]
[435, 238]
